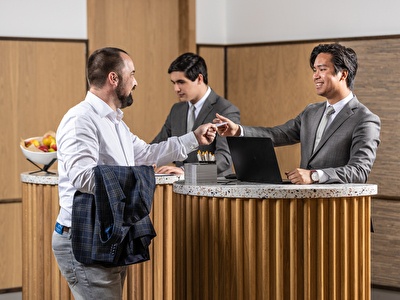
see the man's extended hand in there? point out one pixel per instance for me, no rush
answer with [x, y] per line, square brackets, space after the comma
[228, 129]
[205, 134]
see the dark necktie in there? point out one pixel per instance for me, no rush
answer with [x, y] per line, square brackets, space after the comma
[191, 118]
[322, 125]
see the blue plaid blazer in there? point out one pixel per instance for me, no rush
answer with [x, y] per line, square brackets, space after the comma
[113, 227]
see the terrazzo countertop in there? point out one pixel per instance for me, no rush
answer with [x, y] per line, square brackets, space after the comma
[234, 189]
[52, 179]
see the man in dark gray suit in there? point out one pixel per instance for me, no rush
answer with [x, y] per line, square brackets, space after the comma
[188, 74]
[339, 137]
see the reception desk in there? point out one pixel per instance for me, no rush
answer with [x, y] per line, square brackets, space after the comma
[41, 279]
[256, 241]
[225, 241]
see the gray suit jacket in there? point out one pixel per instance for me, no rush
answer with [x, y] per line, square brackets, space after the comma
[347, 149]
[175, 125]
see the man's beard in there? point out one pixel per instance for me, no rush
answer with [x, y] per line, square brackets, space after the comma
[125, 100]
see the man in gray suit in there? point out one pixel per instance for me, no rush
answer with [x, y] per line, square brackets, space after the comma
[343, 148]
[188, 74]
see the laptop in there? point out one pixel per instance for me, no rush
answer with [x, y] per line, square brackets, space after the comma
[254, 159]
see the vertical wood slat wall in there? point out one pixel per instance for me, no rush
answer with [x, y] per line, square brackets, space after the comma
[271, 248]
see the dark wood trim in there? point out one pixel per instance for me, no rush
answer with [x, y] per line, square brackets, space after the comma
[12, 290]
[5, 38]
[8, 201]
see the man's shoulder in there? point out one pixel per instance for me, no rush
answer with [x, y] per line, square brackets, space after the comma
[218, 100]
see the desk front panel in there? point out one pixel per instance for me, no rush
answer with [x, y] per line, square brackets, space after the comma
[226, 248]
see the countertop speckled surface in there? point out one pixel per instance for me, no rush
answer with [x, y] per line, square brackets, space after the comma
[233, 189]
[52, 179]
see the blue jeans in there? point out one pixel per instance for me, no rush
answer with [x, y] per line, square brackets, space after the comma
[87, 281]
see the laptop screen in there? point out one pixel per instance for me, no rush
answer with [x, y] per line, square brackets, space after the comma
[254, 159]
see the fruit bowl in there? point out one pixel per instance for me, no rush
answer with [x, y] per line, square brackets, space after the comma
[35, 155]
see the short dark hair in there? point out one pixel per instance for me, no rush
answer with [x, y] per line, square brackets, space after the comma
[101, 62]
[343, 58]
[191, 64]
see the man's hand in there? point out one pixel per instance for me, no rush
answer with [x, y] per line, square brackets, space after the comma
[205, 134]
[299, 176]
[169, 170]
[228, 129]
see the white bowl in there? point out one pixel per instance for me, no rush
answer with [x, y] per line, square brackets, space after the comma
[38, 157]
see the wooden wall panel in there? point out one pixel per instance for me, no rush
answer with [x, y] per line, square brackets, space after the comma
[150, 32]
[385, 243]
[39, 81]
[11, 245]
[377, 85]
[215, 60]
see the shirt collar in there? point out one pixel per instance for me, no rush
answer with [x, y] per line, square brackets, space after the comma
[199, 104]
[340, 104]
[103, 109]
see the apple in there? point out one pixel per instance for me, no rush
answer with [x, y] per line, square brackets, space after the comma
[47, 140]
[43, 148]
[53, 146]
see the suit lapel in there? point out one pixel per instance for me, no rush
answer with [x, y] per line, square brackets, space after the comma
[206, 109]
[314, 127]
[344, 114]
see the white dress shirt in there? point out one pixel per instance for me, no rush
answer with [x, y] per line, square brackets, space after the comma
[199, 104]
[92, 134]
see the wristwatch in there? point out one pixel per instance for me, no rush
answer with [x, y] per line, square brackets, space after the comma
[314, 176]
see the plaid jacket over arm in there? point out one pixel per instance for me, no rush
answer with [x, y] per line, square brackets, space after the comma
[113, 227]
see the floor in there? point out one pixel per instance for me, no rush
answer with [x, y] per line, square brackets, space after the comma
[377, 294]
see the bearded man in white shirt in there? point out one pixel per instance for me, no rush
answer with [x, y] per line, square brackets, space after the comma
[92, 133]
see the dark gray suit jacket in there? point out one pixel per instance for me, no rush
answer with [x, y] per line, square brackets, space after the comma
[347, 149]
[175, 125]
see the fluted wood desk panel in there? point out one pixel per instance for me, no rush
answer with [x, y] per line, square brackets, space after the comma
[41, 278]
[237, 248]
[153, 279]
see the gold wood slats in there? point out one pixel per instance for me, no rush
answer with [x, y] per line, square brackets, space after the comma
[41, 278]
[153, 279]
[272, 248]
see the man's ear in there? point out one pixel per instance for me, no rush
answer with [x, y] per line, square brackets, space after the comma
[200, 78]
[113, 78]
[345, 73]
